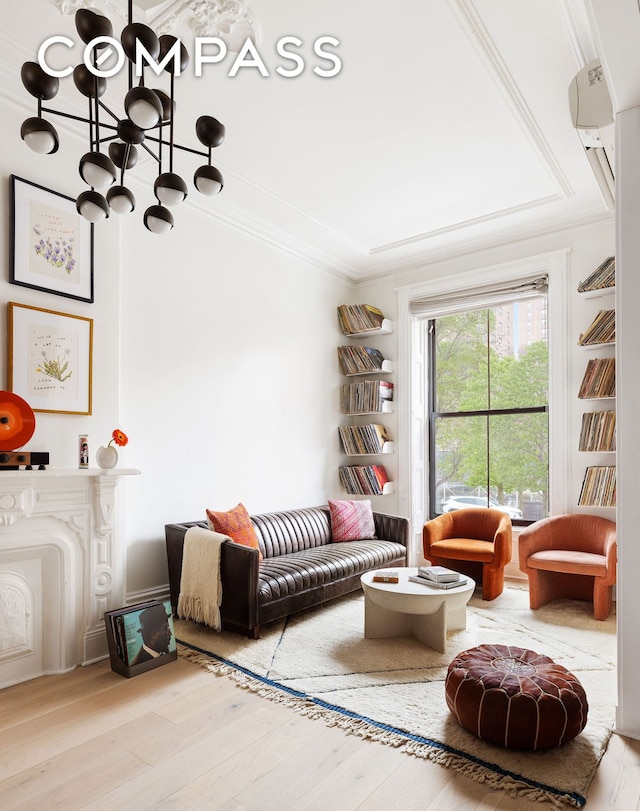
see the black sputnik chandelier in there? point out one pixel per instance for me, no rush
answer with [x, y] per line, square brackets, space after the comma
[149, 113]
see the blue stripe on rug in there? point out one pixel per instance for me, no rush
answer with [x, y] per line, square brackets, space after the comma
[578, 799]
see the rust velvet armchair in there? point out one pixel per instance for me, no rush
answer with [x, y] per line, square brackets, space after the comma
[571, 556]
[475, 541]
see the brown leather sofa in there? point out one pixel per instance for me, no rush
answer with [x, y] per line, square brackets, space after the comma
[301, 566]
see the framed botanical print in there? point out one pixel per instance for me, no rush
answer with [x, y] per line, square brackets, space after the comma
[50, 359]
[51, 244]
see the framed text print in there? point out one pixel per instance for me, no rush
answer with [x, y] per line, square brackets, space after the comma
[50, 357]
[51, 244]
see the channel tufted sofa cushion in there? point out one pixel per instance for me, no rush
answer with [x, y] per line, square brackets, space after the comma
[301, 564]
[515, 698]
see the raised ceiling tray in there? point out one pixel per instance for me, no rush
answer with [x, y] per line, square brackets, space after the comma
[17, 421]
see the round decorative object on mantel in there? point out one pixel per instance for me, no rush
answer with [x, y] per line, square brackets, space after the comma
[17, 421]
[106, 457]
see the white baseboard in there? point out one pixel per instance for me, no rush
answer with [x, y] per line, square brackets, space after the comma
[160, 593]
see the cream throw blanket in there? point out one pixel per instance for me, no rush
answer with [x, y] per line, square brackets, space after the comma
[200, 586]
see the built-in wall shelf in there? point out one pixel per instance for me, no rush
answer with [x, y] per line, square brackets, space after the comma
[365, 397]
[605, 291]
[598, 428]
[601, 281]
[386, 448]
[385, 328]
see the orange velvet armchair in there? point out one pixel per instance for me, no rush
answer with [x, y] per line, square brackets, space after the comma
[571, 556]
[475, 541]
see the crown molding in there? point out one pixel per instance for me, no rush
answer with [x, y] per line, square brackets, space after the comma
[257, 213]
[578, 28]
[523, 237]
[464, 224]
[480, 38]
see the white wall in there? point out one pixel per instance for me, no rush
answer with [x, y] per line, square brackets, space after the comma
[213, 352]
[229, 380]
[628, 348]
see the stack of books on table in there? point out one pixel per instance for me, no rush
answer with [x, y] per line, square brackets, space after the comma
[438, 577]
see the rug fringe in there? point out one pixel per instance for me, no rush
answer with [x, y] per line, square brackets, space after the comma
[303, 705]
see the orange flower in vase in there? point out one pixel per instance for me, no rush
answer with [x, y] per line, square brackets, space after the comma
[107, 457]
[119, 437]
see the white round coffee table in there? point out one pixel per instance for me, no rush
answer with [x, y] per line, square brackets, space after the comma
[411, 609]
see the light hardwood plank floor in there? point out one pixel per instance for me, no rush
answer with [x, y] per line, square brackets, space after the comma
[180, 738]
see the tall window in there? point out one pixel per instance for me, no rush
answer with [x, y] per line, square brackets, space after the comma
[488, 409]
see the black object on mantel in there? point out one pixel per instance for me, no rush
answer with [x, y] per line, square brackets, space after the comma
[11, 460]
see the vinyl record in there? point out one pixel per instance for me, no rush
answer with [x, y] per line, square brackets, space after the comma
[17, 421]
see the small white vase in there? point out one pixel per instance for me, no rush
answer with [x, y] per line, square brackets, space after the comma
[106, 457]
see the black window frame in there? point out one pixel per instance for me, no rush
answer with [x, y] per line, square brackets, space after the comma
[433, 415]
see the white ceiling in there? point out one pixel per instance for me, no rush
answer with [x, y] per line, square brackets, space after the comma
[447, 129]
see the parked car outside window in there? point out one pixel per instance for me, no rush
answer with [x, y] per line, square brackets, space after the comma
[460, 502]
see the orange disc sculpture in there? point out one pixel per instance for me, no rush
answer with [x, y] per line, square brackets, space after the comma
[17, 421]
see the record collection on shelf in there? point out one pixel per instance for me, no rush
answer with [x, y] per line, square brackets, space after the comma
[362, 360]
[598, 429]
[355, 318]
[599, 379]
[598, 432]
[366, 397]
[601, 331]
[603, 276]
[364, 439]
[365, 480]
[598, 487]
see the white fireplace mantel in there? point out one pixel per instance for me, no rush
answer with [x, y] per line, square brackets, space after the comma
[62, 565]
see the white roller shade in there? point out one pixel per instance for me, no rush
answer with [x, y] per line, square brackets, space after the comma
[478, 297]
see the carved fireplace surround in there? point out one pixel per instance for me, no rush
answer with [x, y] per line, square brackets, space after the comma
[62, 565]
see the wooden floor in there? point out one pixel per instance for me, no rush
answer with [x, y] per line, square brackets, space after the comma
[180, 738]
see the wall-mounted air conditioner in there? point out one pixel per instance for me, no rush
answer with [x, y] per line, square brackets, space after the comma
[592, 116]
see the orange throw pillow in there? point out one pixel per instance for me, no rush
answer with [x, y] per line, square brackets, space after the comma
[235, 523]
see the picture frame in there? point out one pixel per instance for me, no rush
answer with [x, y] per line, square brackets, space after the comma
[50, 359]
[51, 244]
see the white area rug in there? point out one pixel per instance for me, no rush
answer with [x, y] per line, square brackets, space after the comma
[392, 690]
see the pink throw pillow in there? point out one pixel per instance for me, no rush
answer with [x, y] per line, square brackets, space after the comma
[351, 520]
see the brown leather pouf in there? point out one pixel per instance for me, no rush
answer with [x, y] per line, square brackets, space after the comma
[515, 697]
